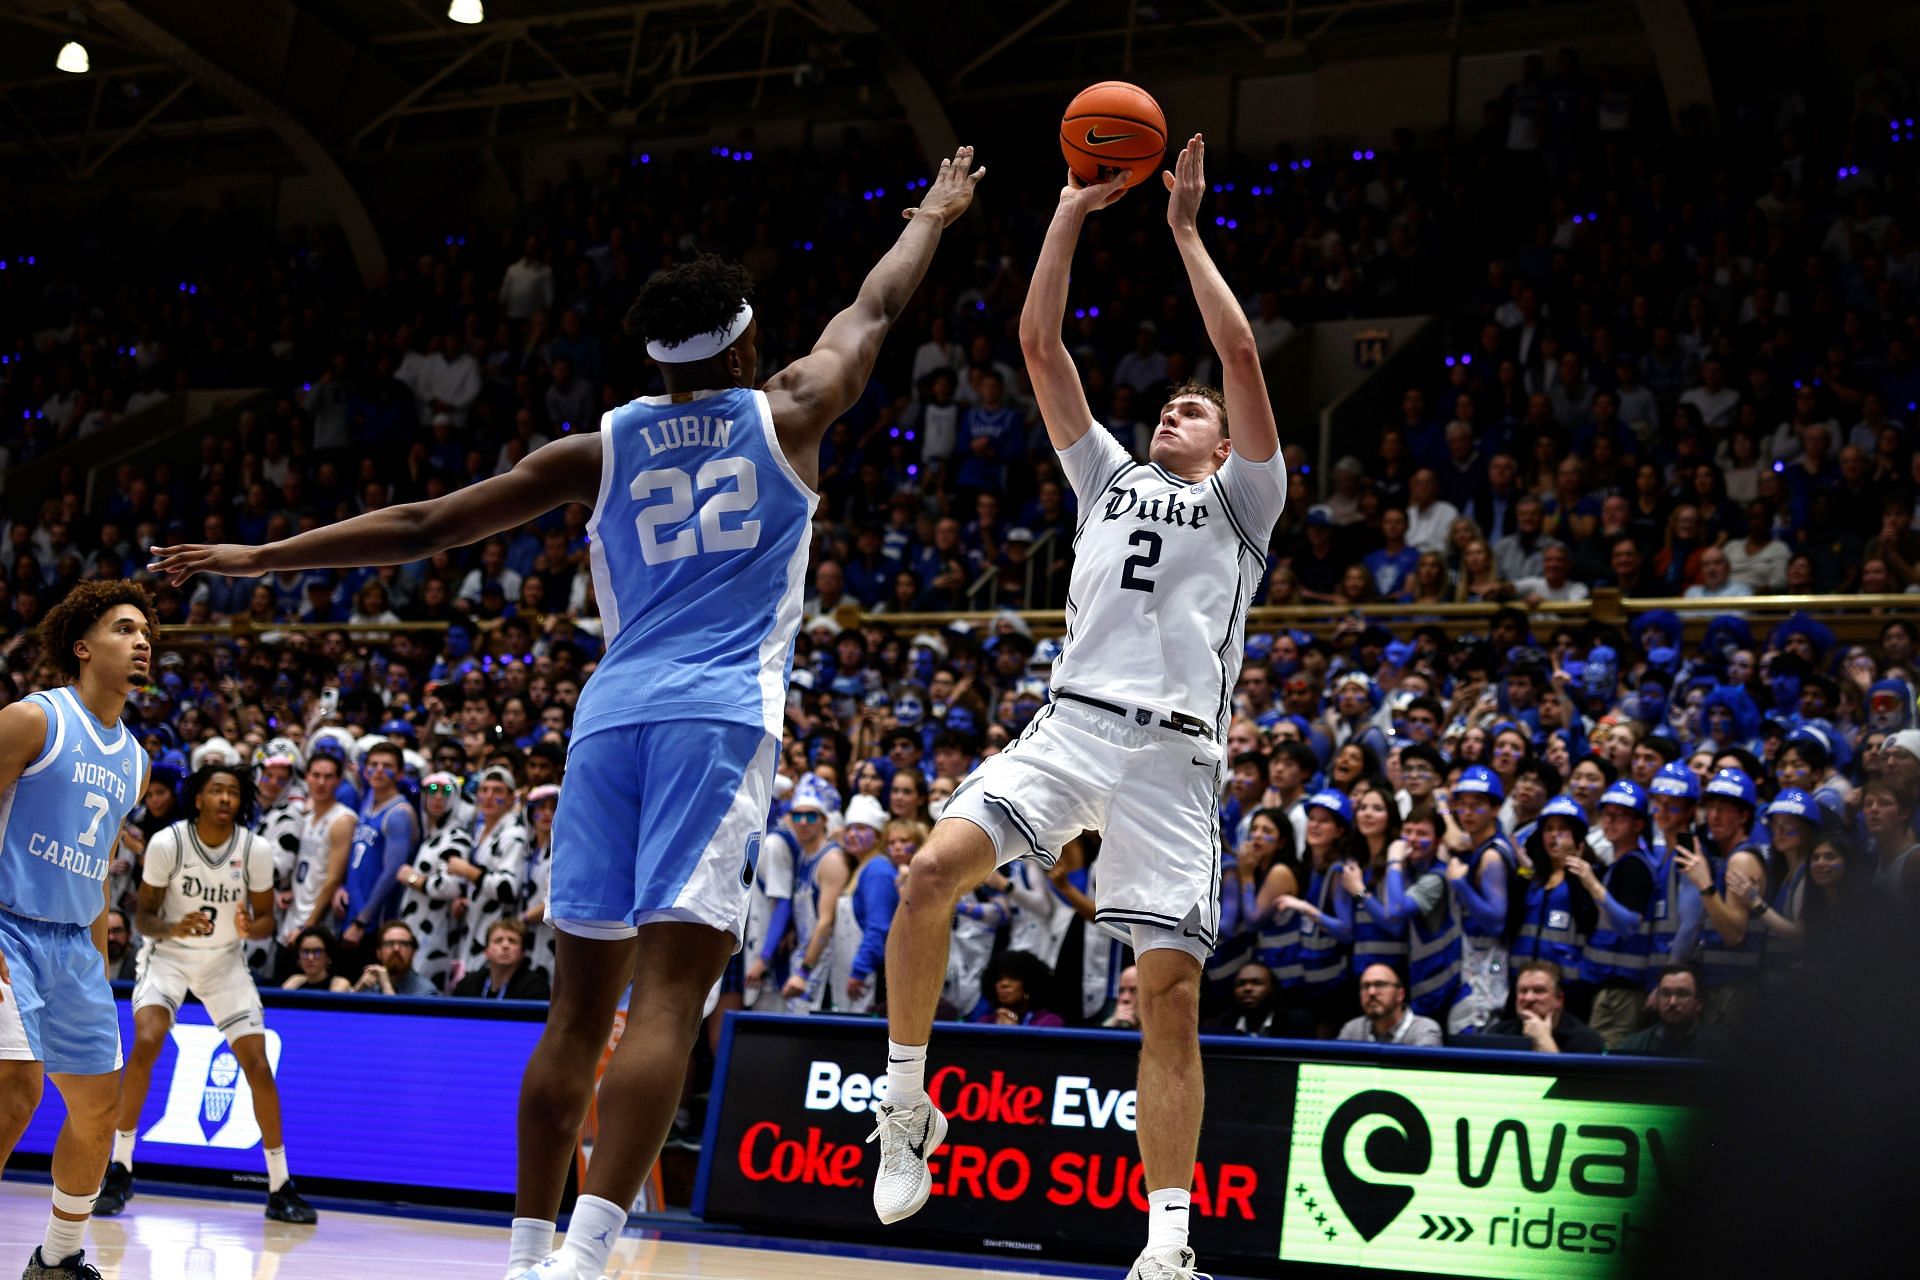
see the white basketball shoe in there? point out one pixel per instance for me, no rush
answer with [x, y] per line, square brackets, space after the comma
[908, 1135]
[1168, 1264]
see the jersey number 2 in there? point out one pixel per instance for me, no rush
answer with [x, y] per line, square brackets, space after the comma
[1145, 560]
[712, 535]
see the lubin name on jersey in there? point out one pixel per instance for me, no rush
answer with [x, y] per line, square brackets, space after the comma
[693, 431]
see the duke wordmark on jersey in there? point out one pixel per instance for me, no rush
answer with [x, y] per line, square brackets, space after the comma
[1122, 502]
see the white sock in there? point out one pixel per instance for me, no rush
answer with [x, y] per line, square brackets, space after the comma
[123, 1146]
[594, 1230]
[1167, 1219]
[276, 1168]
[906, 1074]
[64, 1238]
[532, 1241]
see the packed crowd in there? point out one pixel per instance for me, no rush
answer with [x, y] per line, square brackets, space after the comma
[1677, 371]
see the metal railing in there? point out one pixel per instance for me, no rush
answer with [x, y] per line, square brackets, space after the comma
[1035, 567]
[1851, 618]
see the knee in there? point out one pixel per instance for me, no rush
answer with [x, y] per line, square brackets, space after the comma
[18, 1100]
[939, 874]
[253, 1062]
[146, 1047]
[95, 1109]
[1170, 1005]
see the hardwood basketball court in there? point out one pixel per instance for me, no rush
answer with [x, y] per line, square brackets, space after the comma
[163, 1237]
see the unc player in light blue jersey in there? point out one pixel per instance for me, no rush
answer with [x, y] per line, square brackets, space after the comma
[702, 504]
[70, 773]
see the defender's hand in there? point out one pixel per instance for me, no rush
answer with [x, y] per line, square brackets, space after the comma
[952, 189]
[179, 563]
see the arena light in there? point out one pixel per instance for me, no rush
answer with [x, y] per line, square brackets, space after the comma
[73, 58]
[468, 12]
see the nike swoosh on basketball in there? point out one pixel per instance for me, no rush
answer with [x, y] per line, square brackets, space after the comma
[1095, 138]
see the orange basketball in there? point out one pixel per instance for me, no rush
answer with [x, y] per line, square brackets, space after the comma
[1110, 127]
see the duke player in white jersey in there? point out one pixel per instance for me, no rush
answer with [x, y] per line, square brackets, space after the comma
[1166, 559]
[206, 889]
[70, 773]
[702, 505]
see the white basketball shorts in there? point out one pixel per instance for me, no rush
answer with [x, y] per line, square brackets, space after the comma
[163, 976]
[1153, 795]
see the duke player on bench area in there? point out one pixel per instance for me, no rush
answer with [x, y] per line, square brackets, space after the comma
[1166, 559]
[702, 509]
[70, 773]
[206, 890]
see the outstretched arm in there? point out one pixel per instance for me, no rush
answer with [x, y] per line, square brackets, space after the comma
[810, 393]
[1255, 436]
[1056, 382]
[568, 470]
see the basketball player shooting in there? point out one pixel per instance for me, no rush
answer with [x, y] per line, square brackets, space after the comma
[703, 501]
[1167, 557]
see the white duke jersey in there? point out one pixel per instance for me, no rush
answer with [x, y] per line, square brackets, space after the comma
[1163, 572]
[310, 869]
[699, 545]
[217, 880]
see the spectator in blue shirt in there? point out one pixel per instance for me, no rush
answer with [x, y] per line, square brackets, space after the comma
[991, 437]
[1392, 566]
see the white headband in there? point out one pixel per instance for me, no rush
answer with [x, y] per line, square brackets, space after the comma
[702, 346]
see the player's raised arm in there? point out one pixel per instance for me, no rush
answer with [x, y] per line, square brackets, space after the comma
[810, 393]
[1255, 436]
[1056, 382]
[568, 470]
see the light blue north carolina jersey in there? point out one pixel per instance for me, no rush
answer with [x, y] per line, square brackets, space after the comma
[58, 823]
[699, 551]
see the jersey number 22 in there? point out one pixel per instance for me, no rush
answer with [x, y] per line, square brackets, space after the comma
[679, 487]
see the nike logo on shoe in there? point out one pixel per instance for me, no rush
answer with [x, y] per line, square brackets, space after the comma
[920, 1147]
[1097, 139]
[1204, 764]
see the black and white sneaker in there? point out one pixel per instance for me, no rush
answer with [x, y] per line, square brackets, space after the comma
[907, 1136]
[287, 1205]
[115, 1190]
[75, 1268]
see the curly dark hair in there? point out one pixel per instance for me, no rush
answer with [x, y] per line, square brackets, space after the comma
[1030, 969]
[242, 816]
[701, 296]
[83, 606]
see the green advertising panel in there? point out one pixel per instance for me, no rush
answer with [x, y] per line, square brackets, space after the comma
[1468, 1174]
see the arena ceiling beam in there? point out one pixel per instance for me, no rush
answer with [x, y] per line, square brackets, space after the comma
[355, 222]
[920, 103]
[1675, 42]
